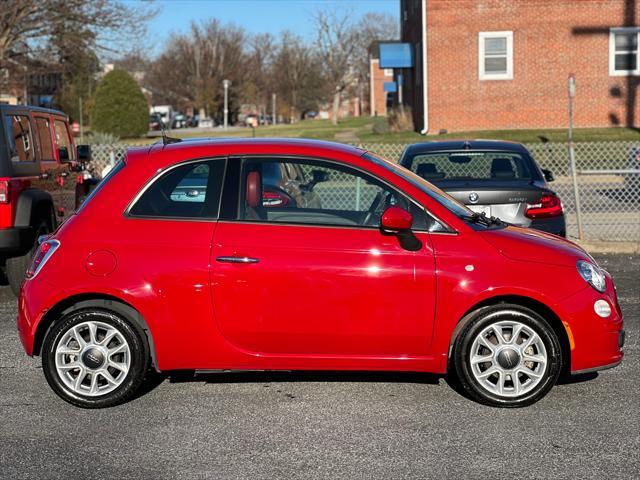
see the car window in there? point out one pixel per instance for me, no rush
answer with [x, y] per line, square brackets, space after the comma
[43, 129]
[331, 194]
[20, 138]
[190, 190]
[63, 140]
[471, 165]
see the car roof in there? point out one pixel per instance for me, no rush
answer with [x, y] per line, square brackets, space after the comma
[238, 146]
[434, 146]
[21, 108]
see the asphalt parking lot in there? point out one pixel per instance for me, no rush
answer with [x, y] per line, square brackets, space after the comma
[324, 425]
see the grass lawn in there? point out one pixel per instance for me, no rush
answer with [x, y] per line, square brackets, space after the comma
[360, 130]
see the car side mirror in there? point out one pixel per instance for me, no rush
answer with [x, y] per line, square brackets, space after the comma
[397, 221]
[83, 153]
[548, 175]
[317, 176]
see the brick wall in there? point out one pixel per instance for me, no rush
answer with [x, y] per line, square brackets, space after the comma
[378, 77]
[551, 38]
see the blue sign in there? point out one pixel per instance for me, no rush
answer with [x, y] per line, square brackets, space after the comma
[395, 55]
[400, 80]
[390, 87]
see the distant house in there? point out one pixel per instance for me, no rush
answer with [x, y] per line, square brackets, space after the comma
[497, 64]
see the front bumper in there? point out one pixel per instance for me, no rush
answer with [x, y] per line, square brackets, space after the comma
[596, 343]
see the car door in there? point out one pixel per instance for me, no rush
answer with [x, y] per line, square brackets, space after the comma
[290, 279]
[171, 225]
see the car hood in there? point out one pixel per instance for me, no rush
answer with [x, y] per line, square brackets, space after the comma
[529, 245]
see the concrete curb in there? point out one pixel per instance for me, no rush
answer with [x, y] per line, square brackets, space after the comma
[610, 247]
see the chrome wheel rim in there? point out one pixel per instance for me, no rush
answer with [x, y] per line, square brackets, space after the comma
[92, 358]
[508, 358]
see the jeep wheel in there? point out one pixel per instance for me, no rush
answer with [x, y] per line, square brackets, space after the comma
[17, 266]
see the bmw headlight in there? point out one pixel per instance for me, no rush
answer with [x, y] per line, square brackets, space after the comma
[592, 274]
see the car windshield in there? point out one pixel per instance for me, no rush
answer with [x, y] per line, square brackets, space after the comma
[468, 165]
[434, 192]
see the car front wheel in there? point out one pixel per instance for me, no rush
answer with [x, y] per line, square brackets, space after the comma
[94, 358]
[507, 356]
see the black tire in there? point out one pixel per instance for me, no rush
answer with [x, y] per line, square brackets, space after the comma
[132, 380]
[460, 364]
[16, 267]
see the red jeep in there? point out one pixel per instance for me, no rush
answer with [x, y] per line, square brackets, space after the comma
[37, 186]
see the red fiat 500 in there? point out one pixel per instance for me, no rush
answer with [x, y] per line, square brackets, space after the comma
[304, 255]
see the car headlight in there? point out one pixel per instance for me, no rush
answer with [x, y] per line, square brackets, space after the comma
[593, 275]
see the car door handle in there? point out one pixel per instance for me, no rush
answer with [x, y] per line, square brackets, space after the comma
[237, 260]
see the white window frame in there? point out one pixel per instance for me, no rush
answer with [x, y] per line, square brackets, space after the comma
[612, 52]
[508, 34]
[388, 72]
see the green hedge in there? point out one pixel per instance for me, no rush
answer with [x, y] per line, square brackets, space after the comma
[120, 106]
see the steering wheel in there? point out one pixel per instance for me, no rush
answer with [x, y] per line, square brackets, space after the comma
[377, 200]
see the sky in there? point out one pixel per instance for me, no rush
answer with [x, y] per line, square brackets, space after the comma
[256, 16]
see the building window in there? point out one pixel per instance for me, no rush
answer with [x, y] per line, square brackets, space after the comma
[388, 72]
[623, 51]
[495, 60]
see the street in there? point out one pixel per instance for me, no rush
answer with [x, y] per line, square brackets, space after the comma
[324, 425]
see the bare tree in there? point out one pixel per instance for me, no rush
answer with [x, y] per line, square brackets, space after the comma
[296, 73]
[371, 28]
[103, 22]
[336, 44]
[193, 66]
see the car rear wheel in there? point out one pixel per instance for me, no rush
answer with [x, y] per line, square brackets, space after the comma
[507, 356]
[94, 358]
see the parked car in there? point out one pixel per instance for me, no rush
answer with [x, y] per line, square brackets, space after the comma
[388, 273]
[493, 178]
[155, 122]
[37, 187]
[179, 121]
[206, 123]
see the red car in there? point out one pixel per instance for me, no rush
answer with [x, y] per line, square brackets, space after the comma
[178, 261]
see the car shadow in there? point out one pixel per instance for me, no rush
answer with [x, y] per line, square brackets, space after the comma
[155, 379]
[577, 378]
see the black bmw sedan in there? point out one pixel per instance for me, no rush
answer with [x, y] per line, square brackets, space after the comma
[493, 178]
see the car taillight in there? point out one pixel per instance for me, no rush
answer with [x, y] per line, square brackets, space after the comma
[549, 206]
[274, 199]
[4, 191]
[44, 252]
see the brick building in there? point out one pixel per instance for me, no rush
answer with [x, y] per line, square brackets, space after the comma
[378, 98]
[502, 64]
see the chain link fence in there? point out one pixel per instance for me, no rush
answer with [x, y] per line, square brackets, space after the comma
[607, 178]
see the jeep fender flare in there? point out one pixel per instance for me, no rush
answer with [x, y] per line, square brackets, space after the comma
[35, 205]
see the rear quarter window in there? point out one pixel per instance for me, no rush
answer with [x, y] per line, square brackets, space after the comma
[20, 138]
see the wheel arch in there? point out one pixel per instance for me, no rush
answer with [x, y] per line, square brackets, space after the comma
[95, 300]
[540, 308]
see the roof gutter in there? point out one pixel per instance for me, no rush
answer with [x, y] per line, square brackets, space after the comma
[425, 77]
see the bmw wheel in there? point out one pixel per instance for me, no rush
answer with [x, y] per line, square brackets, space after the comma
[94, 358]
[507, 356]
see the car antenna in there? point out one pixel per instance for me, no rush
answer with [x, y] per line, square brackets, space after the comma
[166, 140]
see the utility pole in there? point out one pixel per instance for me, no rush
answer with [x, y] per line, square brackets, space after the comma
[572, 154]
[226, 84]
[81, 123]
[273, 108]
